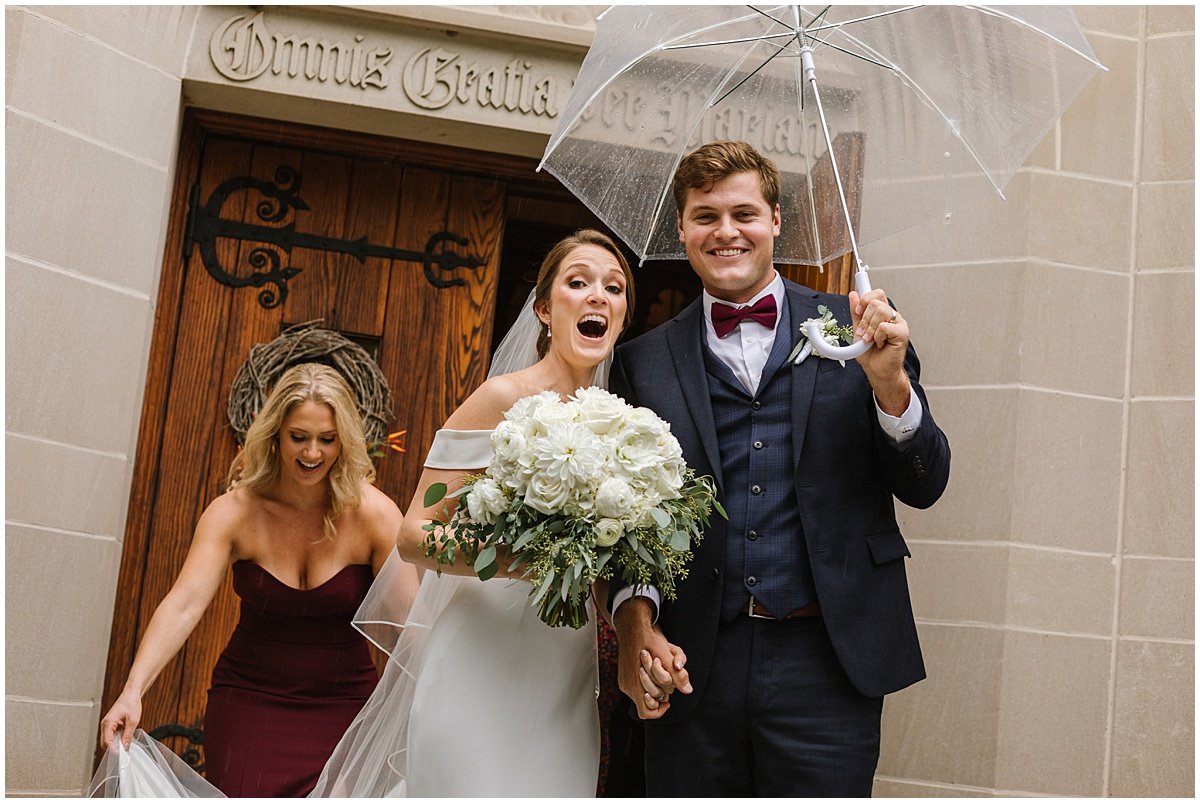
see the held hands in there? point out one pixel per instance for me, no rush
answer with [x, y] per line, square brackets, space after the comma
[876, 322]
[649, 668]
[124, 716]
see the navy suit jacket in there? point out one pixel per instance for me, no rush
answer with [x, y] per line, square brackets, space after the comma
[847, 473]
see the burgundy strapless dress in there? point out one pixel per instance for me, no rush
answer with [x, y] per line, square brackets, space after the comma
[292, 678]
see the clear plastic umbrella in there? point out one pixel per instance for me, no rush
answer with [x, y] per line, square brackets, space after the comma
[925, 109]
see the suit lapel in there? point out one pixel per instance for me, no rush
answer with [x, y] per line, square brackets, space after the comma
[802, 305]
[685, 342]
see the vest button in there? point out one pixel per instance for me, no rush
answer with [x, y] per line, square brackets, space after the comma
[751, 580]
[714, 574]
[755, 489]
[756, 405]
[752, 535]
[758, 444]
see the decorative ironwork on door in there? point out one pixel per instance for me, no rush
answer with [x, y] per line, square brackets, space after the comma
[195, 736]
[205, 226]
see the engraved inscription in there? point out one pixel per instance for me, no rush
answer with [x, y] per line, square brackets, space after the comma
[242, 49]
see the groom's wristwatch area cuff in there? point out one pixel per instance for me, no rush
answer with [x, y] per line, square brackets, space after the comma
[649, 593]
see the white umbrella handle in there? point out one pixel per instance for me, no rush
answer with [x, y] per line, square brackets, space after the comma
[862, 283]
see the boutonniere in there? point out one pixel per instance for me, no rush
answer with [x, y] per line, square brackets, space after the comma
[835, 335]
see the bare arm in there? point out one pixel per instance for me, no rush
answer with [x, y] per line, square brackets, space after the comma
[484, 409]
[383, 518]
[410, 541]
[176, 616]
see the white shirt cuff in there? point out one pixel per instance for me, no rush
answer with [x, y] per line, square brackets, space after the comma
[905, 427]
[650, 593]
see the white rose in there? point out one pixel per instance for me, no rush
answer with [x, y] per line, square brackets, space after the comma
[614, 497]
[599, 410]
[639, 461]
[524, 408]
[644, 421]
[485, 500]
[545, 415]
[668, 483]
[508, 441]
[608, 532]
[546, 494]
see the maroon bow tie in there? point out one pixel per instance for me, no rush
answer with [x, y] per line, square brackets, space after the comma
[726, 318]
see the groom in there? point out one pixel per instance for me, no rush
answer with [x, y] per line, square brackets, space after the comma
[795, 618]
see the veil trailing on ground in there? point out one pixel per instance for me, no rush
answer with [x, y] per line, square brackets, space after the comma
[146, 769]
[371, 760]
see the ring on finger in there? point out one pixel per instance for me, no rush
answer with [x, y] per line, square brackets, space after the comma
[893, 320]
[660, 697]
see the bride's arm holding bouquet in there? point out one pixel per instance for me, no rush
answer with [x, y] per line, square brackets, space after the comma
[481, 412]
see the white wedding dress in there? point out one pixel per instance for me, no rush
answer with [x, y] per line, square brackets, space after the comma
[480, 698]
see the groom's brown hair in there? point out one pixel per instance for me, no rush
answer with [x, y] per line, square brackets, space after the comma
[710, 163]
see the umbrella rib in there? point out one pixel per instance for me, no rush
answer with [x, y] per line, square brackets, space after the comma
[750, 75]
[1022, 23]
[843, 23]
[852, 53]
[662, 196]
[768, 16]
[759, 38]
[929, 101]
[604, 85]
[817, 18]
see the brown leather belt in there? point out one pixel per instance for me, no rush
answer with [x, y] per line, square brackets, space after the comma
[755, 610]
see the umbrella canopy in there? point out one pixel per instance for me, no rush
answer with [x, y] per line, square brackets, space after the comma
[929, 108]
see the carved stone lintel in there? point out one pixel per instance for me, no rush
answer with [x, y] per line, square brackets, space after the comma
[571, 16]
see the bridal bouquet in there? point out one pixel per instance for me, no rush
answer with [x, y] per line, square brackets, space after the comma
[576, 491]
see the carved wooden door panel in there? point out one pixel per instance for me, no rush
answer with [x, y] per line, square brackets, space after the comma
[266, 233]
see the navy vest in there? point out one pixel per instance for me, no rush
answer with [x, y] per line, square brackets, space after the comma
[765, 552]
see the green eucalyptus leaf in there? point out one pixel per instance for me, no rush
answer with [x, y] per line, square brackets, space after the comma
[486, 558]
[577, 583]
[721, 510]
[545, 586]
[661, 518]
[566, 581]
[680, 541]
[435, 493]
[524, 539]
[644, 555]
[489, 571]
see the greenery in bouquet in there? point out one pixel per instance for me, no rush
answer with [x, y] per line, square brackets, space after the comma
[586, 489]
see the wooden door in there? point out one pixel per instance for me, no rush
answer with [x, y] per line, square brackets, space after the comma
[251, 197]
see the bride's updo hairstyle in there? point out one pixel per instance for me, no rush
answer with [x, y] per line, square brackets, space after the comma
[257, 465]
[549, 272]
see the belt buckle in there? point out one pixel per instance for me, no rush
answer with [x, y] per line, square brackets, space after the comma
[750, 611]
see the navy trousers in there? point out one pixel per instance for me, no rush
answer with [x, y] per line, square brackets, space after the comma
[778, 718]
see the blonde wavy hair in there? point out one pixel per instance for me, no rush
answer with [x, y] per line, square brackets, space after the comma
[257, 465]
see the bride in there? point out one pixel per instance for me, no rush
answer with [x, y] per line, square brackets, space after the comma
[480, 698]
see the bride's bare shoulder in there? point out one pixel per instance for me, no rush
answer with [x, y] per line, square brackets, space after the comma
[485, 408]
